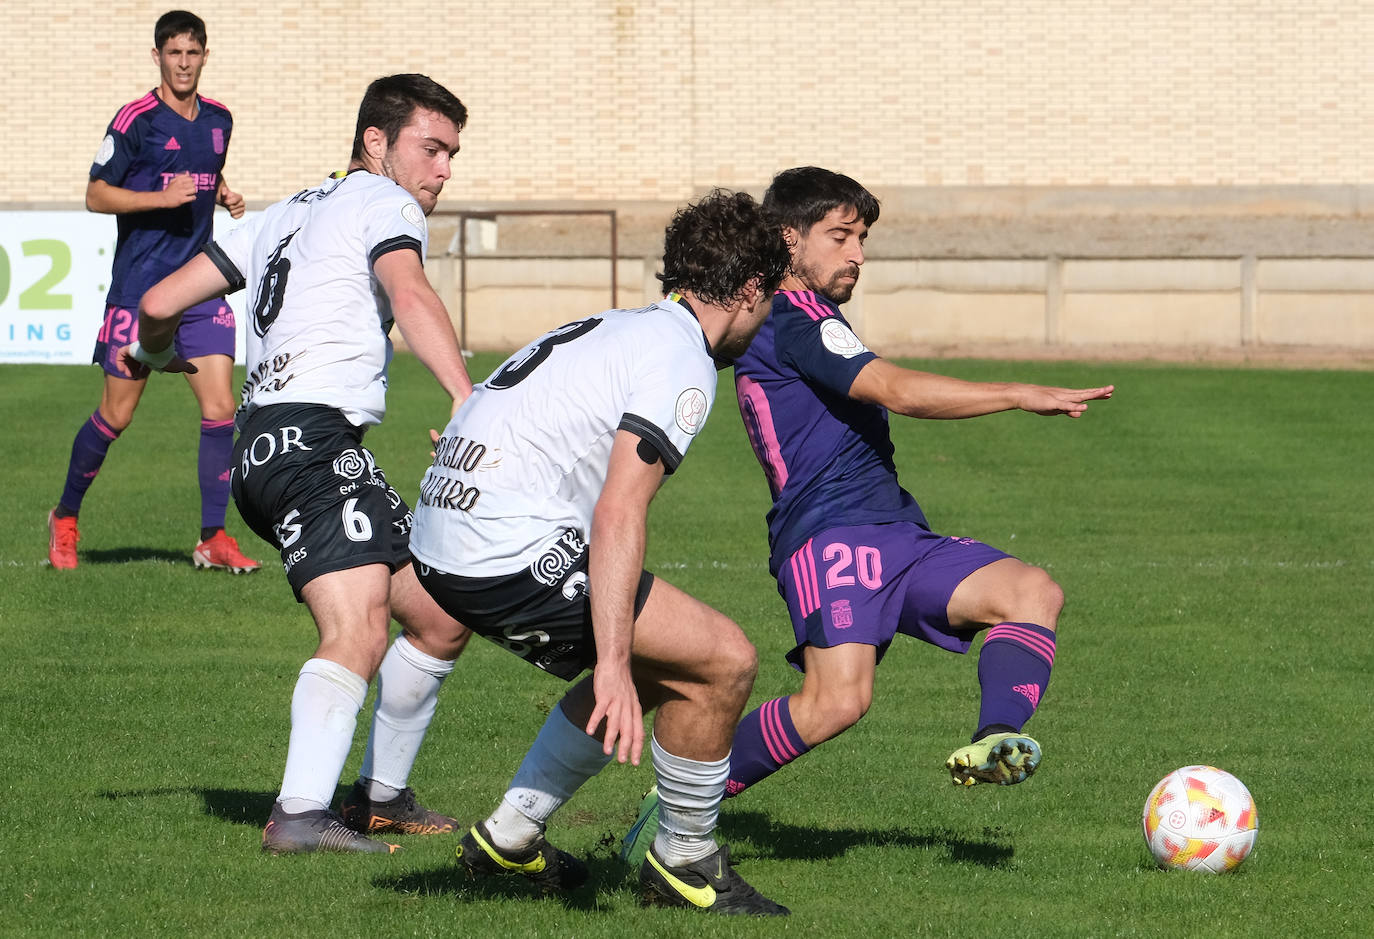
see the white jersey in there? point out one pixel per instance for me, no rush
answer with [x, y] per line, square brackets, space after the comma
[526, 456]
[320, 320]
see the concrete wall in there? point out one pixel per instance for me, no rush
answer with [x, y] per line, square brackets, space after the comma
[1262, 272]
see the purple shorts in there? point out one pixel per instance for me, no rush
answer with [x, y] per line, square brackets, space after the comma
[866, 583]
[205, 329]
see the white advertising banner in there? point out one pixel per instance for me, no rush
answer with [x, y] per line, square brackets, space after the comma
[54, 272]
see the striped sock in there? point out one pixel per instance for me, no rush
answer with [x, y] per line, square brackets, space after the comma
[89, 448]
[765, 741]
[1013, 671]
[212, 465]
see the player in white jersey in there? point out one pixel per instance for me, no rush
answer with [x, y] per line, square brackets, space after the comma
[556, 407]
[327, 271]
[531, 528]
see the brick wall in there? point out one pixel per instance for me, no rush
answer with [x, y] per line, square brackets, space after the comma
[611, 101]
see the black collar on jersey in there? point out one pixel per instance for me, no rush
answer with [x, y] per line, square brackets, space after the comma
[681, 301]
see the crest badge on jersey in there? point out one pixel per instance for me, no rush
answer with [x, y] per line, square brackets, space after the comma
[412, 214]
[106, 150]
[691, 410]
[840, 339]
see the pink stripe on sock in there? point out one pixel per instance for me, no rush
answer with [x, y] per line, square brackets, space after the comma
[211, 425]
[1033, 641]
[103, 428]
[774, 736]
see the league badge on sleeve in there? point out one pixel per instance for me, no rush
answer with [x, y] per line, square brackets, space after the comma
[412, 214]
[690, 412]
[840, 339]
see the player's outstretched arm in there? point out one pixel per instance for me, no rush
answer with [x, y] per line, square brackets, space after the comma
[423, 320]
[115, 200]
[617, 543]
[940, 397]
[159, 312]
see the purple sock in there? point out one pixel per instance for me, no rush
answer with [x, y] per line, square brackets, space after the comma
[765, 741]
[88, 453]
[216, 451]
[1014, 671]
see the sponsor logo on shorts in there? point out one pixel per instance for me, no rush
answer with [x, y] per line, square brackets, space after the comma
[224, 317]
[294, 558]
[553, 565]
[288, 530]
[691, 410]
[262, 448]
[840, 339]
[551, 658]
[841, 616]
[350, 464]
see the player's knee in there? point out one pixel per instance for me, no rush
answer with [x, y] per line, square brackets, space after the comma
[217, 410]
[843, 710]
[737, 663]
[849, 713]
[1040, 599]
[118, 417]
[744, 664]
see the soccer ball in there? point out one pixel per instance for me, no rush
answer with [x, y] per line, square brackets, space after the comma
[1200, 818]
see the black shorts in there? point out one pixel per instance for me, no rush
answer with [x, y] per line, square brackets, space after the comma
[541, 613]
[305, 483]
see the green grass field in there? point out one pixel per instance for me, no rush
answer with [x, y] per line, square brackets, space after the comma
[1211, 529]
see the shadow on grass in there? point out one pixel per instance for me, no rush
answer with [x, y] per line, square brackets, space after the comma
[240, 806]
[133, 555]
[796, 843]
[453, 880]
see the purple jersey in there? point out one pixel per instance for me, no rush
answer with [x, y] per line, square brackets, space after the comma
[145, 146]
[828, 458]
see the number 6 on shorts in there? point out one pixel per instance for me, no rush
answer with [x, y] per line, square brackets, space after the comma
[356, 525]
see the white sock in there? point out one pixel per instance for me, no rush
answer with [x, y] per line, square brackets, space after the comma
[560, 760]
[407, 695]
[689, 794]
[324, 713]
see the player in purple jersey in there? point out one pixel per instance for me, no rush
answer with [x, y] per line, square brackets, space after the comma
[855, 560]
[159, 171]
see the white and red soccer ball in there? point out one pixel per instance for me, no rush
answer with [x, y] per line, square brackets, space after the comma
[1200, 818]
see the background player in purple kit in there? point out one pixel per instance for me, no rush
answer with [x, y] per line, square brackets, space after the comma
[855, 559]
[159, 171]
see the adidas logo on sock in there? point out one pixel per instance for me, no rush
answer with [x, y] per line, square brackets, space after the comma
[1032, 693]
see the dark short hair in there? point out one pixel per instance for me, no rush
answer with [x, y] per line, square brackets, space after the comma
[175, 23]
[800, 197]
[717, 246]
[391, 100]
